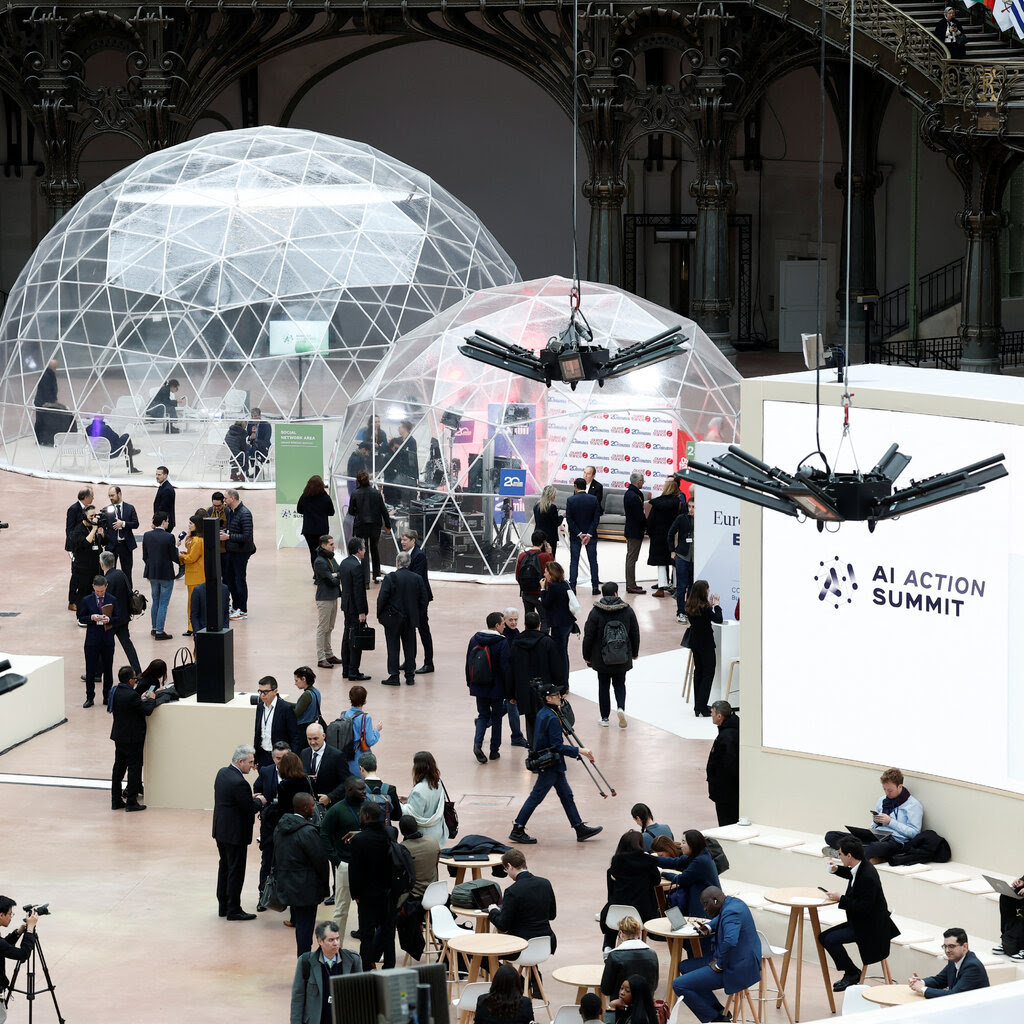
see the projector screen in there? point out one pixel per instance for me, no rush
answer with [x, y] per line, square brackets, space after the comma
[903, 646]
[291, 337]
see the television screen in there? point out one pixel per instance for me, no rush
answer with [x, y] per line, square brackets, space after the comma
[298, 337]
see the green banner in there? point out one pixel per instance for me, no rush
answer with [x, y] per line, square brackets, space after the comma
[298, 455]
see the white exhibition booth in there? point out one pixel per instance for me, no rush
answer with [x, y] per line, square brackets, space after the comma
[36, 706]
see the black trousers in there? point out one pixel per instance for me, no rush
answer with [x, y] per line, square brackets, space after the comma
[406, 636]
[376, 934]
[1011, 925]
[304, 918]
[230, 877]
[425, 638]
[703, 676]
[239, 587]
[351, 656]
[883, 849]
[728, 810]
[834, 940]
[531, 603]
[99, 658]
[125, 559]
[313, 543]
[124, 638]
[127, 756]
[371, 537]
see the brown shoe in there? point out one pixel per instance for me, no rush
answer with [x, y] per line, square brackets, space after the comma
[659, 593]
[635, 590]
[324, 664]
[72, 607]
[333, 660]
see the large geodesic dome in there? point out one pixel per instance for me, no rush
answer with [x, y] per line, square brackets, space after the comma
[266, 267]
[479, 444]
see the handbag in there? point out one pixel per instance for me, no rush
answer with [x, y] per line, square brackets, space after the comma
[363, 637]
[270, 899]
[574, 603]
[685, 641]
[137, 603]
[185, 673]
[451, 816]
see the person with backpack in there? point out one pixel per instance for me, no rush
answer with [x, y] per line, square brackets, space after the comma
[377, 790]
[340, 824]
[353, 731]
[530, 572]
[376, 883]
[486, 667]
[311, 987]
[532, 655]
[307, 707]
[611, 640]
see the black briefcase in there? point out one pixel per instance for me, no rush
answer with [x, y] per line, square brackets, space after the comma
[363, 637]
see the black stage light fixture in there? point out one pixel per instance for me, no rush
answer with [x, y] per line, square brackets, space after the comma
[828, 497]
[572, 357]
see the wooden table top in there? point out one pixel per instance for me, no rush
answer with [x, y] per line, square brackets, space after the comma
[580, 975]
[663, 926]
[469, 912]
[891, 995]
[487, 944]
[799, 896]
[493, 860]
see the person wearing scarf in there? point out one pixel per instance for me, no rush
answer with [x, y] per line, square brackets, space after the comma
[897, 818]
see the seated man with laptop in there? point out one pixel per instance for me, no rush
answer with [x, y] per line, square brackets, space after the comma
[896, 819]
[1011, 916]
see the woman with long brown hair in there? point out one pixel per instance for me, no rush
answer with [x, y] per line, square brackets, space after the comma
[427, 796]
[316, 508]
[701, 611]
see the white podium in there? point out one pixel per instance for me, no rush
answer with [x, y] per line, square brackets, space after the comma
[36, 706]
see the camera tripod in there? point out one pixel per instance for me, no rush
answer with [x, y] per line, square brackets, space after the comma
[30, 991]
[567, 720]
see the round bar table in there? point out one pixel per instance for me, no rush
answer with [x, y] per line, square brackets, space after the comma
[482, 922]
[583, 977]
[479, 946]
[662, 927]
[477, 866]
[800, 898]
[891, 995]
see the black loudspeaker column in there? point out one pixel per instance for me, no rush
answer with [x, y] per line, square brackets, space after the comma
[215, 649]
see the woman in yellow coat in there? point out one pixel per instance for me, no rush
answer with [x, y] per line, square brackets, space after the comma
[192, 559]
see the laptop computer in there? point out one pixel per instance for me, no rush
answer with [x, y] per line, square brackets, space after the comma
[1001, 887]
[865, 835]
[676, 918]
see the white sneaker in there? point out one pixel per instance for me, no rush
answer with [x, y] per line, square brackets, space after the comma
[237, 615]
[681, 618]
[603, 722]
[622, 719]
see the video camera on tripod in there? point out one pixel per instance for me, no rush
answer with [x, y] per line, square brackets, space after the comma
[36, 959]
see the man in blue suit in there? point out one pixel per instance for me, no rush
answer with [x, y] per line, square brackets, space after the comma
[962, 973]
[121, 541]
[735, 963]
[99, 638]
[582, 514]
[199, 607]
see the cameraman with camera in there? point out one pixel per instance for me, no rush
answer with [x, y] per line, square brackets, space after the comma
[9, 950]
[85, 542]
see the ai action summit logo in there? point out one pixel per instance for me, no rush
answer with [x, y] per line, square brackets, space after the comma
[834, 586]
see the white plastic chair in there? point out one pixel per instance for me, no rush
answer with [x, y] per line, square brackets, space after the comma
[466, 1002]
[767, 952]
[854, 1001]
[101, 451]
[567, 1015]
[443, 925]
[616, 912]
[175, 451]
[435, 895]
[537, 951]
[216, 457]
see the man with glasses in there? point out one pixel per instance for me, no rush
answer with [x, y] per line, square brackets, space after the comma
[275, 720]
[963, 971]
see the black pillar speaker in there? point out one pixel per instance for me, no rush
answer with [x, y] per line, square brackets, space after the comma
[215, 649]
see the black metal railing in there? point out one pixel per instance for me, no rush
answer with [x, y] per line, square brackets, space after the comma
[936, 291]
[943, 353]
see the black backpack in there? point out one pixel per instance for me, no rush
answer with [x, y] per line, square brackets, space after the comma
[137, 603]
[615, 646]
[403, 871]
[530, 573]
[479, 668]
[717, 854]
[341, 735]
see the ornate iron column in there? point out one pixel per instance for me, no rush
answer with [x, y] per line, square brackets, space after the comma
[871, 95]
[712, 114]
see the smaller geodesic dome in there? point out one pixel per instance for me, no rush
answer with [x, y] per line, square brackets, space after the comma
[479, 443]
[266, 267]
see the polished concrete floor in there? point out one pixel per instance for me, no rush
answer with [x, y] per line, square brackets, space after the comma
[134, 935]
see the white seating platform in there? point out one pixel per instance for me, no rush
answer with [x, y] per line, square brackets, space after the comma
[925, 898]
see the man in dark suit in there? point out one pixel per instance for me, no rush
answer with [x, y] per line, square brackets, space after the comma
[200, 615]
[121, 539]
[582, 514]
[161, 562]
[400, 603]
[528, 907]
[128, 731]
[369, 879]
[963, 971]
[164, 500]
[258, 434]
[75, 515]
[240, 546]
[354, 607]
[867, 914]
[275, 720]
[323, 764]
[118, 588]
[634, 529]
[418, 564]
[234, 808]
[99, 638]
[594, 486]
[533, 655]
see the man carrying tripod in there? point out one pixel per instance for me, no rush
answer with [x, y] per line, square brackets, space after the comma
[9, 950]
[550, 751]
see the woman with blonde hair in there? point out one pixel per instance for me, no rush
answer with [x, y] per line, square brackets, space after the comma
[546, 516]
[663, 511]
